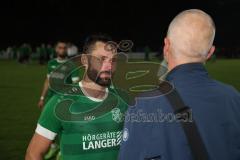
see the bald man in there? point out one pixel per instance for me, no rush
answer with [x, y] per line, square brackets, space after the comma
[155, 133]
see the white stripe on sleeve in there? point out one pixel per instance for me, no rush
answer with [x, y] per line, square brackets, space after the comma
[45, 132]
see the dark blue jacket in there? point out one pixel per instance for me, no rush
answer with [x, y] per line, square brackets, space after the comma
[215, 108]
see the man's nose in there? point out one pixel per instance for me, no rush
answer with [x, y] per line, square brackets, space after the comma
[107, 65]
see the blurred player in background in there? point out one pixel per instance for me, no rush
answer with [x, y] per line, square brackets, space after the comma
[72, 50]
[61, 51]
[47, 93]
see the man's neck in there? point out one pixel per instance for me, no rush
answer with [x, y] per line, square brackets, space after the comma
[61, 58]
[92, 89]
[174, 62]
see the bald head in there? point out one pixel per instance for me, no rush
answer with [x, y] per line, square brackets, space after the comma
[191, 35]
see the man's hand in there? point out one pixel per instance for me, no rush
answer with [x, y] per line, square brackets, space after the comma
[40, 103]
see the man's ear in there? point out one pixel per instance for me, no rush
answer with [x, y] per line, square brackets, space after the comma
[84, 60]
[166, 48]
[210, 52]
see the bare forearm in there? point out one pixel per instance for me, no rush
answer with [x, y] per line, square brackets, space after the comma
[33, 156]
[45, 88]
[37, 147]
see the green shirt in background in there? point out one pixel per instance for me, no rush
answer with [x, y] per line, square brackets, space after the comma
[51, 66]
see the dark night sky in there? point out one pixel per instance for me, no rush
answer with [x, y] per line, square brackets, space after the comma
[143, 22]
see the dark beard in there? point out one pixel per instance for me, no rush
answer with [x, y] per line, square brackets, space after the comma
[62, 56]
[95, 77]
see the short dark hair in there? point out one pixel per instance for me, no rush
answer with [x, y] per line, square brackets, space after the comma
[60, 41]
[90, 42]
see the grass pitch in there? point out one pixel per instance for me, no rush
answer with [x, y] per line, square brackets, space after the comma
[20, 88]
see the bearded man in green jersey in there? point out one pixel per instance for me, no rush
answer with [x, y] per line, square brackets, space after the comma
[61, 51]
[90, 122]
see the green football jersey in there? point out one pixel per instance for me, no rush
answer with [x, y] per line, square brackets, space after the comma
[52, 65]
[89, 128]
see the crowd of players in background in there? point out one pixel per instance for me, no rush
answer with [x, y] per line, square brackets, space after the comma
[43, 53]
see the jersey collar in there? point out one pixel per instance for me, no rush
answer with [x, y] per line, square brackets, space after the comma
[61, 60]
[90, 97]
